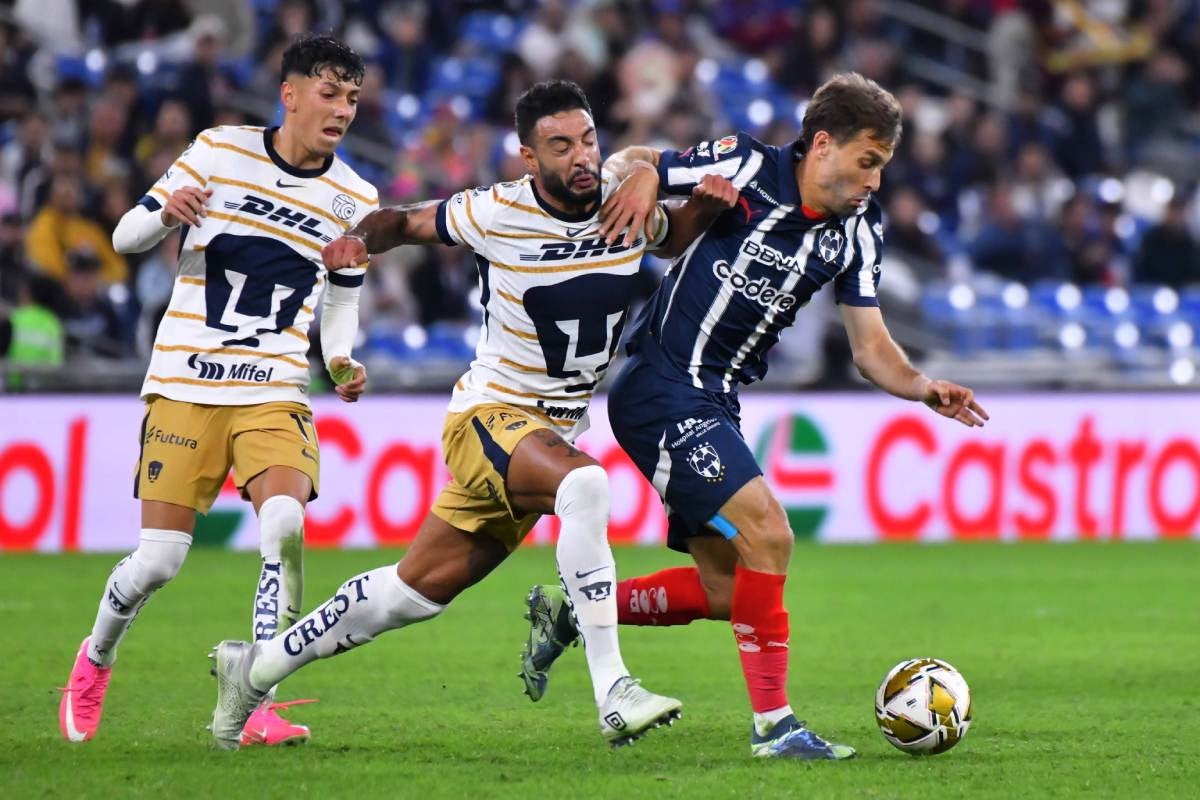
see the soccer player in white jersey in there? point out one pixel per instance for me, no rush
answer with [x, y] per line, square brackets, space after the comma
[554, 298]
[228, 379]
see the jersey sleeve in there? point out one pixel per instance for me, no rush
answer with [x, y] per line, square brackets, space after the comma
[352, 278]
[680, 171]
[662, 227]
[463, 219]
[192, 168]
[858, 285]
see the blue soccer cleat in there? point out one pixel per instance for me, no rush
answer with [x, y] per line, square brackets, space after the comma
[790, 738]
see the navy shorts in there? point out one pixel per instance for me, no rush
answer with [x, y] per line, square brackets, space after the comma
[686, 441]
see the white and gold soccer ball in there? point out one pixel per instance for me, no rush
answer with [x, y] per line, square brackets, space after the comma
[923, 706]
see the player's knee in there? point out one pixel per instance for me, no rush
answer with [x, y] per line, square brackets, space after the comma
[158, 558]
[279, 518]
[410, 606]
[766, 531]
[584, 493]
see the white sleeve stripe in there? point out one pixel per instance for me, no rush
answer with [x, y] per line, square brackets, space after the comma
[743, 176]
[866, 245]
[679, 176]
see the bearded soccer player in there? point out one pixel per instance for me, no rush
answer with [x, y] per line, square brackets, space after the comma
[805, 218]
[228, 379]
[555, 296]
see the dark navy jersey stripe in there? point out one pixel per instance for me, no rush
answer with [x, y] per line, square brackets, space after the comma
[723, 305]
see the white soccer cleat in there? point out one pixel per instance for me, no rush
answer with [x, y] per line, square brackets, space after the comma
[630, 711]
[236, 697]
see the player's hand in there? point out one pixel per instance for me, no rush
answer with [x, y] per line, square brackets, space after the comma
[344, 252]
[715, 195]
[349, 376]
[186, 205]
[631, 206]
[956, 402]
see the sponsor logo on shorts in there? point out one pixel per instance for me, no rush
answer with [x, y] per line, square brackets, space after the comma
[153, 470]
[157, 434]
[491, 491]
[690, 428]
[706, 462]
[759, 290]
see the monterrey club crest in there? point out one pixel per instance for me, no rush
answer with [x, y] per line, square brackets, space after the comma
[705, 461]
[344, 207]
[830, 244]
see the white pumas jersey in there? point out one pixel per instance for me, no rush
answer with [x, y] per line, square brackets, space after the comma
[236, 329]
[554, 296]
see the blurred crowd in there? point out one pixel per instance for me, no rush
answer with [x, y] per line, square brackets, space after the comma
[1043, 140]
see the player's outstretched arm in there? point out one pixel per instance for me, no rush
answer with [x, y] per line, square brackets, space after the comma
[631, 205]
[883, 363]
[711, 198]
[381, 230]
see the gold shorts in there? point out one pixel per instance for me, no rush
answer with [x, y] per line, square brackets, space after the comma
[477, 444]
[188, 448]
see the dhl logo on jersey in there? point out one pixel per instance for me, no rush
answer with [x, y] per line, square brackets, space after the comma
[277, 212]
[584, 248]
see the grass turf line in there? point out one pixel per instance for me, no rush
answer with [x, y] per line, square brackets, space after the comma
[1082, 659]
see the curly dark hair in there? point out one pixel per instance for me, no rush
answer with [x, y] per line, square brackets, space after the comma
[312, 54]
[546, 98]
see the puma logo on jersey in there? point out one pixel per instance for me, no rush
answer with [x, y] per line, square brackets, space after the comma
[585, 248]
[280, 214]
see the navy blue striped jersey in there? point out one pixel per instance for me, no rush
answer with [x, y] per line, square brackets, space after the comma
[725, 301]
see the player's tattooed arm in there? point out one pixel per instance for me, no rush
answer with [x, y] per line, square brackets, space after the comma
[711, 198]
[631, 206]
[883, 363]
[381, 230]
[385, 228]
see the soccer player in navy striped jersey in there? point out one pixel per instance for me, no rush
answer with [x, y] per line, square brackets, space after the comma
[805, 217]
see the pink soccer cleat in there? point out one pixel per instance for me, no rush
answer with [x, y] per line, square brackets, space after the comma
[83, 698]
[266, 726]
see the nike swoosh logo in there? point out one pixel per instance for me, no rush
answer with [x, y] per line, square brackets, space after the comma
[589, 572]
[283, 185]
[73, 733]
[307, 455]
[573, 232]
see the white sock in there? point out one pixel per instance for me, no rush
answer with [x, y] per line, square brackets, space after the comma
[764, 721]
[156, 560]
[364, 607]
[279, 595]
[588, 572]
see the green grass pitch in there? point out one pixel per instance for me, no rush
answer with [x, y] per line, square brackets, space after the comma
[1083, 660]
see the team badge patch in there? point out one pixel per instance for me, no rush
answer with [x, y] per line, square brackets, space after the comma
[344, 207]
[830, 244]
[705, 461]
[724, 145]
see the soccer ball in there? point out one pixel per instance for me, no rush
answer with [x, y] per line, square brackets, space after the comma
[923, 706]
